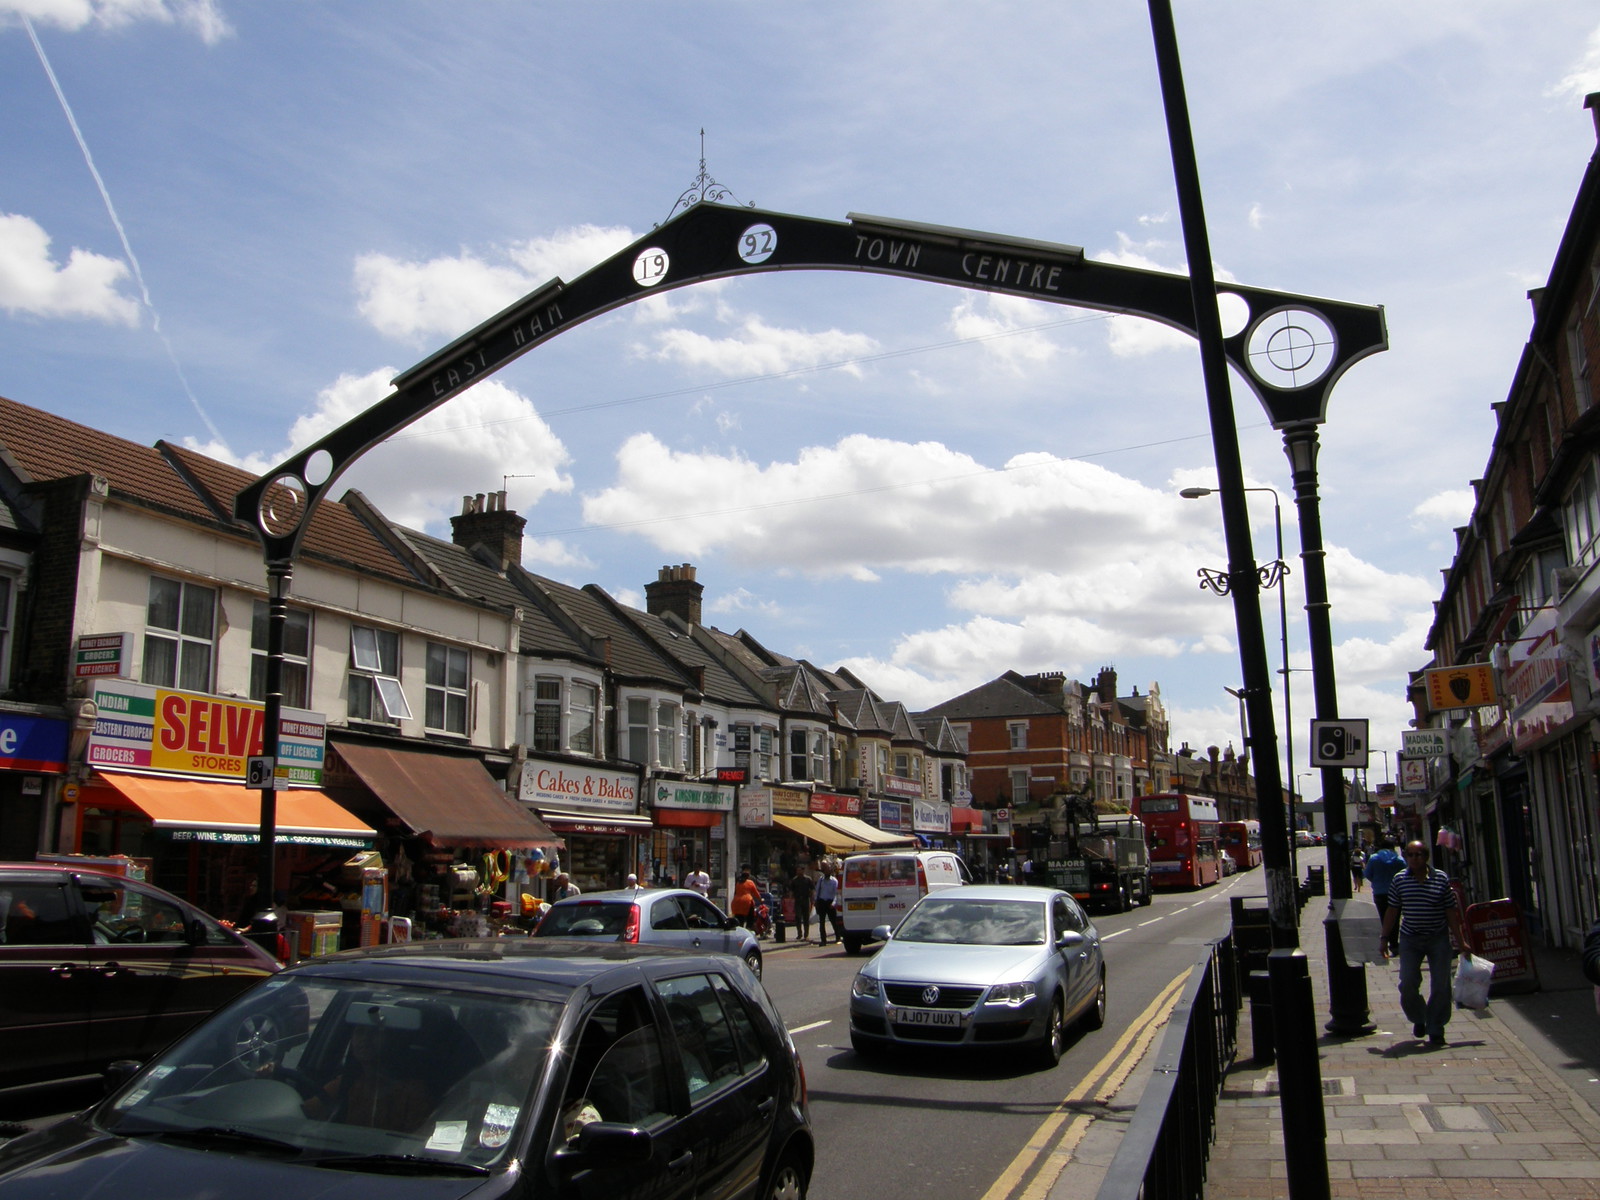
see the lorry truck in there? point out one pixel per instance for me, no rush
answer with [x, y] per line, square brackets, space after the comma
[1103, 861]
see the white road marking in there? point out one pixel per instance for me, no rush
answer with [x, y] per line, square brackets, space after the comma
[809, 1028]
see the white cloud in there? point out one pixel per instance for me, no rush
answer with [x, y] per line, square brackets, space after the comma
[758, 348]
[202, 17]
[419, 476]
[1585, 77]
[442, 296]
[32, 282]
[1450, 508]
[1001, 324]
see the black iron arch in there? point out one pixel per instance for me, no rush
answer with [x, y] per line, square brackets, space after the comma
[1291, 349]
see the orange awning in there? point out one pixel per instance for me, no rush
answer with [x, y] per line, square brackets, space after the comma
[214, 811]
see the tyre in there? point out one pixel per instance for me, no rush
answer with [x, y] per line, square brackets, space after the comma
[752, 959]
[1124, 900]
[1095, 1017]
[853, 943]
[789, 1179]
[1146, 896]
[1055, 1038]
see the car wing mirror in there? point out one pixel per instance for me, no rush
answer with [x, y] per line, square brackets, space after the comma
[882, 933]
[611, 1142]
[730, 922]
[1069, 939]
[194, 931]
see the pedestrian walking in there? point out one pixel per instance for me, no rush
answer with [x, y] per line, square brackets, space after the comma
[802, 890]
[827, 893]
[1383, 865]
[1358, 865]
[746, 899]
[1423, 906]
[698, 880]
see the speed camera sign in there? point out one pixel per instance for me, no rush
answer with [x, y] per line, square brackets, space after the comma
[1339, 743]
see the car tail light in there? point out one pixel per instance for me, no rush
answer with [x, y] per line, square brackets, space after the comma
[922, 879]
[630, 932]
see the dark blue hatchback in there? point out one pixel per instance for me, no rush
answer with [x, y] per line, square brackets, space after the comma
[484, 1068]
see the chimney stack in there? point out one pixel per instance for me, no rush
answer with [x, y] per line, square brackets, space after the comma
[674, 591]
[485, 519]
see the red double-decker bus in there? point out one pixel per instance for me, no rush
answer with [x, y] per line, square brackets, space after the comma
[1241, 841]
[1181, 831]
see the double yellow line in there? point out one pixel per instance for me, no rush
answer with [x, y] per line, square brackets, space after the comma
[1050, 1148]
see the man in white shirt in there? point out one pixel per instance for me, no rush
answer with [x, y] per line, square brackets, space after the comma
[698, 880]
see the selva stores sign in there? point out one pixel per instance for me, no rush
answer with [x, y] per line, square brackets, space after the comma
[143, 728]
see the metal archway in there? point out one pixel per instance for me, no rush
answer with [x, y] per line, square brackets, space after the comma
[1292, 349]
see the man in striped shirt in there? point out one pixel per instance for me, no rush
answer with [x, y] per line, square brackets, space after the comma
[1423, 904]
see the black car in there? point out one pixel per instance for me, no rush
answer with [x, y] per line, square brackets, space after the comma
[482, 1068]
[96, 967]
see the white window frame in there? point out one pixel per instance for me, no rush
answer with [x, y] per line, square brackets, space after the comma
[183, 638]
[10, 587]
[577, 691]
[451, 695]
[543, 710]
[367, 666]
[1019, 786]
[296, 680]
[1017, 735]
[668, 719]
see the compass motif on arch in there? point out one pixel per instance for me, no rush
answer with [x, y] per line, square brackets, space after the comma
[1291, 348]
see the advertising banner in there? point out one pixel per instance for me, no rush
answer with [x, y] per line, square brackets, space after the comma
[1498, 933]
[142, 728]
[30, 743]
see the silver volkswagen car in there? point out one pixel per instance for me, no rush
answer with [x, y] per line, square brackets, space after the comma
[982, 966]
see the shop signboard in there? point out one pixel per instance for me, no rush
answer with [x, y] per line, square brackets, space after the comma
[905, 789]
[573, 788]
[1537, 682]
[142, 728]
[830, 802]
[700, 797]
[30, 743]
[98, 655]
[929, 816]
[1498, 933]
[756, 808]
[893, 817]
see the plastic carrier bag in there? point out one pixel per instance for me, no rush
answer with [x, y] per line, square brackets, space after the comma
[1472, 981]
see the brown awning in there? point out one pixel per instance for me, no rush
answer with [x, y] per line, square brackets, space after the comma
[451, 799]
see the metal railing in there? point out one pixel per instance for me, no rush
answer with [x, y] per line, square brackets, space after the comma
[1163, 1154]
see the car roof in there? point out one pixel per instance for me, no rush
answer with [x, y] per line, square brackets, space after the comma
[626, 895]
[563, 964]
[995, 891]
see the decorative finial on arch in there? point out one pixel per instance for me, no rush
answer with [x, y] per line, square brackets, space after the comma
[704, 188]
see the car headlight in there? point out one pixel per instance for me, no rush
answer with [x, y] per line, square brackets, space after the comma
[864, 985]
[1014, 994]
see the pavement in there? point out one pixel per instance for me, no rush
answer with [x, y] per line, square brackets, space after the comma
[1510, 1107]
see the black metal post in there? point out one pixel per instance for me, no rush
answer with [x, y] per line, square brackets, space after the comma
[279, 573]
[1347, 985]
[1300, 1083]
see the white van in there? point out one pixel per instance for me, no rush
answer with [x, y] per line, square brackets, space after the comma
[880, 888]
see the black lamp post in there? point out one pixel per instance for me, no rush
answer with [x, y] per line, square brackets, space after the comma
[1277, 571]
[1347, 985]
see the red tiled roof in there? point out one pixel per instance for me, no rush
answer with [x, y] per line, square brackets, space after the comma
[47, 447]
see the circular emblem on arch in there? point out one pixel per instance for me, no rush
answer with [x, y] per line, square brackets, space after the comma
[1290, 348]
[650, 268]
[757, 243]
[283, 506]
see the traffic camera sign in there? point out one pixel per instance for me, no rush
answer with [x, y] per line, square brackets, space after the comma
[1339, 743]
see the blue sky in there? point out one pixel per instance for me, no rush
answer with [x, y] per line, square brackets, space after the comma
[260, 213]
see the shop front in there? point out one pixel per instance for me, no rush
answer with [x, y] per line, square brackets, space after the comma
[778, 835]
[458, 852]
[33, 764]
[691, 826]
[165, 774]
[595, 810]
[843, 815]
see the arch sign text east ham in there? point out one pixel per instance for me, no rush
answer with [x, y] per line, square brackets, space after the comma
[1291, 349]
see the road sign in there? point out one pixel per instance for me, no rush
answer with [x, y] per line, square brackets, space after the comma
[1424, 743]
[260, 771]
[1468, 686]
[1339, 743]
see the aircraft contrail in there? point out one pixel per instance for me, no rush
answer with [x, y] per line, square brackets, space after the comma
[127, 249]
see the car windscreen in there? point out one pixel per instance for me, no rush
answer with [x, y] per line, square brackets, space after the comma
[350, 1071]
[974, 923]
[586, 918]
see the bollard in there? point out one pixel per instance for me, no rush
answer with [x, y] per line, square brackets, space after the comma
[1299, 1075]
[1261, 1043]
